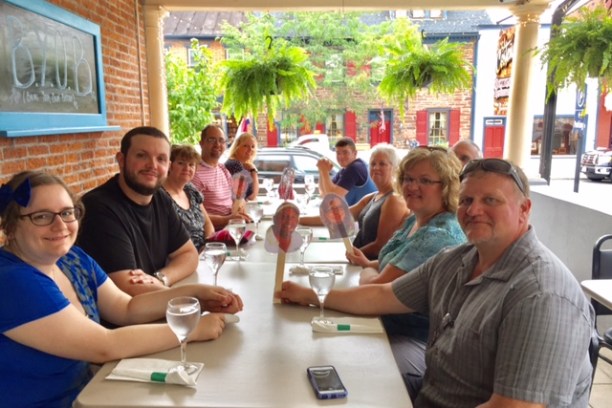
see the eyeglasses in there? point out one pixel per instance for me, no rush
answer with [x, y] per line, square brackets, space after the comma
[495, 166]
[214, 140]
[421, 181]
[44, 218]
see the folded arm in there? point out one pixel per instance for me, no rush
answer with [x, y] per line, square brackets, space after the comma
[121, 309]
[70, 334]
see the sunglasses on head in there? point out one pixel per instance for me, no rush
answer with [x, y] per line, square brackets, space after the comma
[494, 166]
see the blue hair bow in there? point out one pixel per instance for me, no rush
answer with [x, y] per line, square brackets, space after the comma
[21, 195]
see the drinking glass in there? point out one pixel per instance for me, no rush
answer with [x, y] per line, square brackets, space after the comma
[302, 202]
[322, 281]
[255, 211]
[183, 314]
[267, 183]
[309, 186]
[214, 255]
[237, 228]
[306, 234]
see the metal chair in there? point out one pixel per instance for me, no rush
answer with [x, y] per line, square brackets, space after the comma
[602, 269]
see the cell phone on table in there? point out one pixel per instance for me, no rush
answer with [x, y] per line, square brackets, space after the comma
[326, 382]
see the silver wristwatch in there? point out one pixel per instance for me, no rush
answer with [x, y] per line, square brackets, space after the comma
[163, 278]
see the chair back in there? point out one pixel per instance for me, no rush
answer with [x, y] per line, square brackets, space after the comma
[602, 268]
[594, 347]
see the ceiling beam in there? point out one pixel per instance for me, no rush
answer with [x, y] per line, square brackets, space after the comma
[337, 5]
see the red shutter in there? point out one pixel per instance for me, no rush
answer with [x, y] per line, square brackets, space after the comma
[350, 125]
[421, 128]
[272, 135]
[453, 126]
[351, 70]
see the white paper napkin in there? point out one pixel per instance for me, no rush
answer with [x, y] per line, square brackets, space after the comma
[303, 270]
[155, 370]
[347, 325]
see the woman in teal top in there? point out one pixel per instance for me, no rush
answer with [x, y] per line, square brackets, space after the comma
[428, 178]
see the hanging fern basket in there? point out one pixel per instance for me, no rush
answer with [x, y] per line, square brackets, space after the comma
[271, 79]
[440, 68]
[581, 48]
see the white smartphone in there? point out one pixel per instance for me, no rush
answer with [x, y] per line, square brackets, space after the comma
[326, 382]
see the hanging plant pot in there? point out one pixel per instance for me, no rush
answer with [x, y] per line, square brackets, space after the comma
[274, 77]
[581, 48]
[413, 66]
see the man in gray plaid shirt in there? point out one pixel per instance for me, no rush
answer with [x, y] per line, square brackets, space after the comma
[509, 324]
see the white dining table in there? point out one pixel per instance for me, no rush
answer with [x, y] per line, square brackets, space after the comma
[261, 361]
[599, 290]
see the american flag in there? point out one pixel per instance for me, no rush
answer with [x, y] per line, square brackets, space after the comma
[243, 127]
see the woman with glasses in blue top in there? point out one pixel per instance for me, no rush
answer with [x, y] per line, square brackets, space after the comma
[53, 296]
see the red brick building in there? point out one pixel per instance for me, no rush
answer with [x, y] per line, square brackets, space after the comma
[428, 119]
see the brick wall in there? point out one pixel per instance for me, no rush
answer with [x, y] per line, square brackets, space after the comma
[404, 128]
[85, 160]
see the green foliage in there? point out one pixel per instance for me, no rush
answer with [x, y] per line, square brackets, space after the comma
[325, 37]
[581, 48]
[272, 76]
[412, 66]
[191, 94]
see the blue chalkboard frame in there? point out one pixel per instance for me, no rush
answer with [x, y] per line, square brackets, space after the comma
[18, 124]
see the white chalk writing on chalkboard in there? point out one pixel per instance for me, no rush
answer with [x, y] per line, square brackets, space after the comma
[45, 66]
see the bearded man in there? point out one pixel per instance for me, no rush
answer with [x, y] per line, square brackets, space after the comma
[130, 227]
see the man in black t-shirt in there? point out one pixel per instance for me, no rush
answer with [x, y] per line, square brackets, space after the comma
[130, 227]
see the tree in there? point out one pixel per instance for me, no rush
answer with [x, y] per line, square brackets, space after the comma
[191, 93]
[340, 52]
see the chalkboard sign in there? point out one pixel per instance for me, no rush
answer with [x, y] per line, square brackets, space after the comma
[50, 71]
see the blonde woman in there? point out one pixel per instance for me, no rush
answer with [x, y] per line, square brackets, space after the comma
[241, 156]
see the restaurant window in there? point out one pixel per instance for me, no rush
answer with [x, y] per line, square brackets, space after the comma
[563, 138]
[437, 127]
[335, 125]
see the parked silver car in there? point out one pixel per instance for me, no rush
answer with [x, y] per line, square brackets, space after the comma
[271, 161]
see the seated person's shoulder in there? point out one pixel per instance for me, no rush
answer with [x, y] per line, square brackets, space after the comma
[233, 166]
[107, 191]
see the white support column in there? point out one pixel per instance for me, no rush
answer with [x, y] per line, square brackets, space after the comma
[520, 115]
[156, 71]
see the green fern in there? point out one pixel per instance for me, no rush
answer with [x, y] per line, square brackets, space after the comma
[582, 48]
[271, 78]
[412, 66]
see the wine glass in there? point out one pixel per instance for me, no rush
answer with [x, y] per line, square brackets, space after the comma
[255, 211]
[183, 314]
[267, 183]
[214, 255]
[321, 281]
[302, 202]
[237, 228]
[306, 234]
[309, 186]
